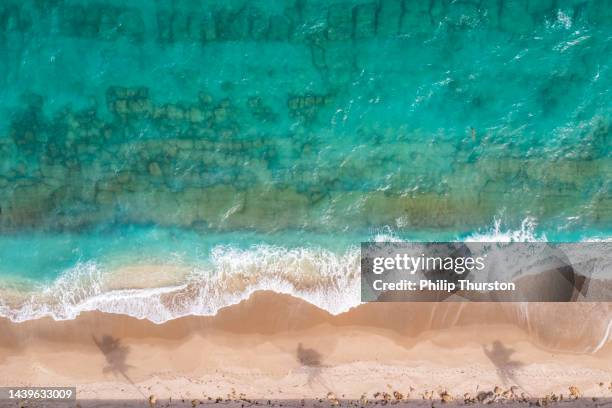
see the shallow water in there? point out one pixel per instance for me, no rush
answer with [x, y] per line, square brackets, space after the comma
[169, 132]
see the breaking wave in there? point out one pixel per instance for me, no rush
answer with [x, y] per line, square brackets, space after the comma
[326, 279]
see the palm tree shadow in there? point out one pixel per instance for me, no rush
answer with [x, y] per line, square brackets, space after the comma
[500, 356]
[311, 360]
[116, 357]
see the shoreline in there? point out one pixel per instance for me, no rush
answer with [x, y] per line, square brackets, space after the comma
[242, 401]
[278, 347]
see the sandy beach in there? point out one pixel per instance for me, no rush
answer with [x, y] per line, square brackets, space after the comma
[231, 202]
[280, 348]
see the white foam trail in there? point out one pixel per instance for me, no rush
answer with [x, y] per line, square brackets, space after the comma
[325, 279]
[526, 233]
[328, 280]
[525, 310]
[605, 338]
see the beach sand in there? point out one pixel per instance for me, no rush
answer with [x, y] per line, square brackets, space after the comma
[276, 347]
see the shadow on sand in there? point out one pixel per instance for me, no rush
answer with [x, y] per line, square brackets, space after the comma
[500, 356]
[116, 357]
[311, 360]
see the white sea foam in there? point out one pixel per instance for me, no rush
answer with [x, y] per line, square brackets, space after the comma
[526, 233]
[326, 279]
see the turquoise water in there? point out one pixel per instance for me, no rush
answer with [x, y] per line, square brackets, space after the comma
[238, 138]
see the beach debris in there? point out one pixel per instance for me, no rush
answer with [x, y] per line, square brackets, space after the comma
[485, 397]
[385, 397]
[497, 391]
[446, 397]
[398, 395]
[574, 392]
[364, 399]
[548, 399]
[428, 395]
[331, 397]
[195, 402]
[152, 400]
[468, 399]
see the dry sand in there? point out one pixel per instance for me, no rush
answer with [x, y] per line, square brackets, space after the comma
[280, 348]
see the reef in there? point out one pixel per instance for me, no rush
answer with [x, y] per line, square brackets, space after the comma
[338, 129]
[195, 164]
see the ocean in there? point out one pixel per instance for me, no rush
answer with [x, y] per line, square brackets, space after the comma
[169, 158]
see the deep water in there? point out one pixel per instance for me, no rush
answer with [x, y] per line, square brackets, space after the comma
[135, 132]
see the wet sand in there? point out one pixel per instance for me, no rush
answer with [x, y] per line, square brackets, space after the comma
[281, 348]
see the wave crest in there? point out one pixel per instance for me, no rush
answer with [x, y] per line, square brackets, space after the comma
[325, 279]
[328, 280]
